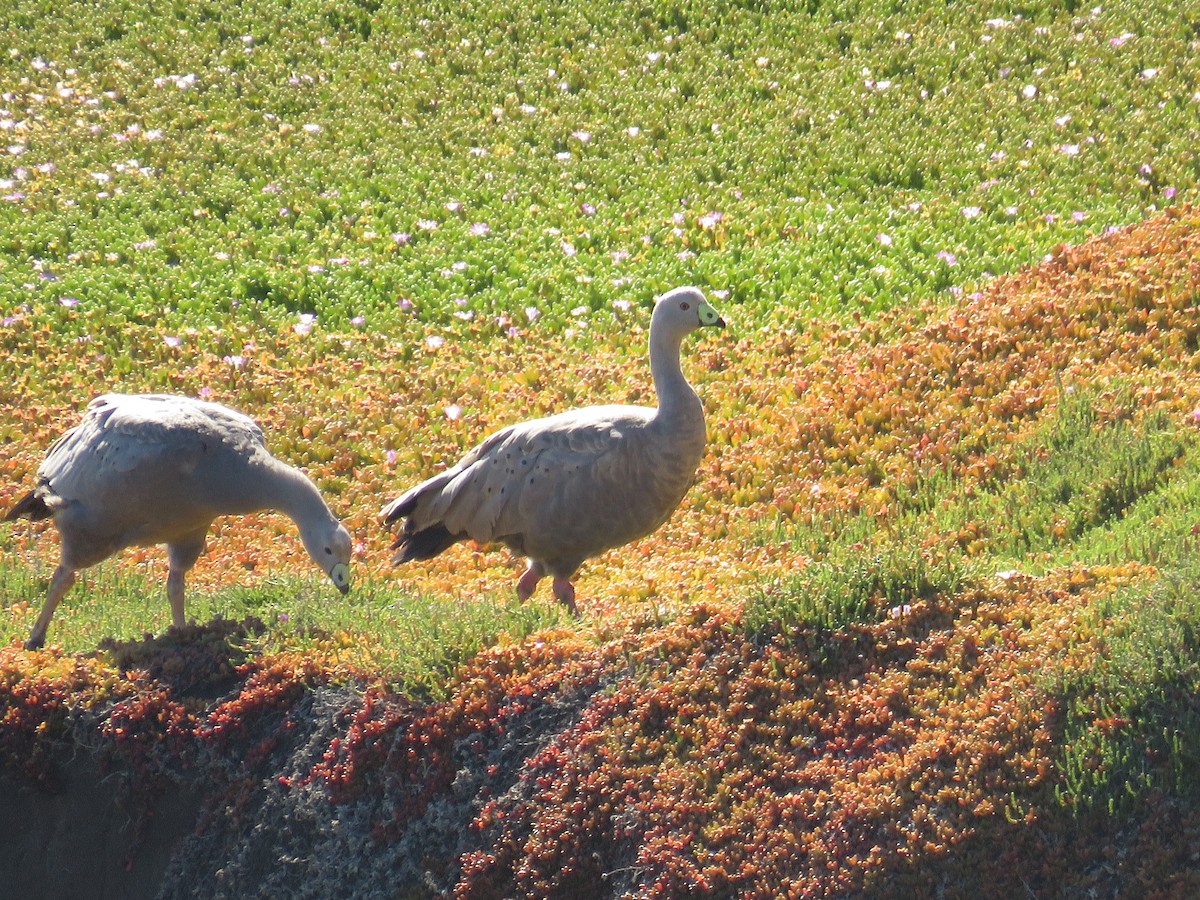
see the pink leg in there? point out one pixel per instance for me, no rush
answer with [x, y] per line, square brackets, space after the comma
[565, 592]
[60, 582]
[529, 580]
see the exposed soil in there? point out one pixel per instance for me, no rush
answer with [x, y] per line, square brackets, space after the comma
[79, 838]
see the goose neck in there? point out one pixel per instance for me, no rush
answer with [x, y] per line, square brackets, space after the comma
[675, 396]
[294, 495]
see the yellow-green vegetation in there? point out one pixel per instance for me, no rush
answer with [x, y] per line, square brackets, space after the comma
[926, 621]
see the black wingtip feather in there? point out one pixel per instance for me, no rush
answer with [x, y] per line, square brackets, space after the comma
[31, 506]
[398, 510]
[424, 544]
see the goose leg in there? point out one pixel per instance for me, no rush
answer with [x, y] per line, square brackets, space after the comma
[565, 592]
[182, 556]
[60, 583]
[529, 580]
[175, 579]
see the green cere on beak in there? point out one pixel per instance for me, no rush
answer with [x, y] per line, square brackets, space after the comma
[340, 576]
[710, 317]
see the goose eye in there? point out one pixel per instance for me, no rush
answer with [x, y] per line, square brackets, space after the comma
[685, 305]
[329, 551]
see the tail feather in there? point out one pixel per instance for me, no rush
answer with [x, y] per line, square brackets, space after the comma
[424, 544]
[31, 506]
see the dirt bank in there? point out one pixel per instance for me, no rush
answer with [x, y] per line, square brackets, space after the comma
[80, 838]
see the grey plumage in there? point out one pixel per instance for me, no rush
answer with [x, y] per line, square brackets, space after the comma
[158, 469]
[562, 489]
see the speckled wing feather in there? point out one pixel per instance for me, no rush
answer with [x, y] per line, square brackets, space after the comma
[561, 488]
[510, 478]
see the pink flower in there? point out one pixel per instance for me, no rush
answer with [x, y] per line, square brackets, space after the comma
[453, 412]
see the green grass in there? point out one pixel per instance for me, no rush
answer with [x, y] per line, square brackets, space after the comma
[1131, 724]
[415, 640]
[1073, 480]
[1086, 488]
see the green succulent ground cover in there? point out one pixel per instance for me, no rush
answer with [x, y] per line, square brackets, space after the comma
[184, 163]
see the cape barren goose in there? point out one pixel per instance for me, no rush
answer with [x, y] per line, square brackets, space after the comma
[568, 487]
[144, 469]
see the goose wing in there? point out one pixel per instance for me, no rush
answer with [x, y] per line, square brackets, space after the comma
[126, 443]
[528, 476]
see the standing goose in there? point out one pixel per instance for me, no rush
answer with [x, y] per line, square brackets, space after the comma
[144, 469]
[568, 487]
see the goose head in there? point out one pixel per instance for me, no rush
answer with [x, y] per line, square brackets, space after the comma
[330, 546]
[680, 311]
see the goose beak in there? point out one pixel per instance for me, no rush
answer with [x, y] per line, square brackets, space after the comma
[709, 317]
[340, 576]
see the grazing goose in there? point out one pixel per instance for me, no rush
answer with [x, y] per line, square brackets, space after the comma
[144, 469]
[568, 487]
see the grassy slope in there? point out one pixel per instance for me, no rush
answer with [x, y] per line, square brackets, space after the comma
[817, 641]
[944, 729]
